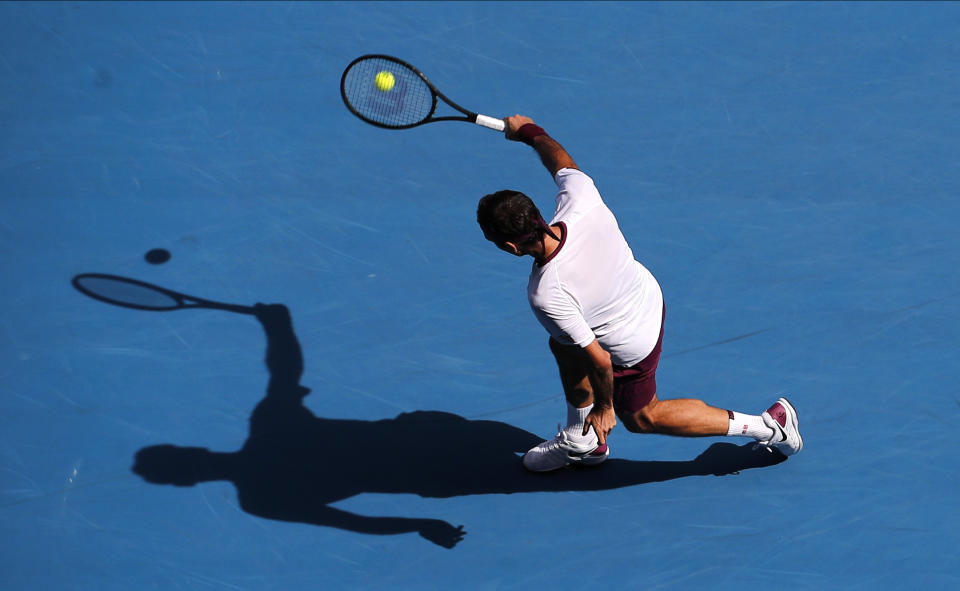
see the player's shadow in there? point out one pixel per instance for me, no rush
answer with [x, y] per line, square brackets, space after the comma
[294, 464]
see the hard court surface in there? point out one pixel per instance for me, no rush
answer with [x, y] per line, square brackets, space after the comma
[788, 171]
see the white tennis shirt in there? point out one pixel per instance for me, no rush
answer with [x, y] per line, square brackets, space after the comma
[591, 287]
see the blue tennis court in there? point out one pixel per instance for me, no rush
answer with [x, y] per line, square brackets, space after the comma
[786, 170]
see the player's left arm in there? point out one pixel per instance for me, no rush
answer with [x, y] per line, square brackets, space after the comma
[600, 372]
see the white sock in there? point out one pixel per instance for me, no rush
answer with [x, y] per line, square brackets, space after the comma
[748, 426]
[575, 418]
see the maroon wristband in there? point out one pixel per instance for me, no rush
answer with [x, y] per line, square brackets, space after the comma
[528, 131]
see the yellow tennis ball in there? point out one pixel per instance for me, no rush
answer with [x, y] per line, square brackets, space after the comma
[384, 81]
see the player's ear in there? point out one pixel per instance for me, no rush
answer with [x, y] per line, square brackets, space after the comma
[512, 248]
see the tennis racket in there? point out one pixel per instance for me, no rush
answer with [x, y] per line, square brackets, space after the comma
[388, 92]
[139, 295]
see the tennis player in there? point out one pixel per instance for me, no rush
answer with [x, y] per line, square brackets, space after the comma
[605, 314]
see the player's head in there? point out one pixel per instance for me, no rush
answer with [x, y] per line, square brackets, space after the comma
[510, 220]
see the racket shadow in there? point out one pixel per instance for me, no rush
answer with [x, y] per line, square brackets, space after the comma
[294, 464]
[140, 295]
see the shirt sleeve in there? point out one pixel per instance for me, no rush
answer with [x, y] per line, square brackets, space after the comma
[575, 192]
[565, 326]
[558, 312]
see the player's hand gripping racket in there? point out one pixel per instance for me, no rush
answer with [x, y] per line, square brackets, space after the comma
[130, 293]
[388, 92]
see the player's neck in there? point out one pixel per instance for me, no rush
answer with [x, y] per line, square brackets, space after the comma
[549, 245]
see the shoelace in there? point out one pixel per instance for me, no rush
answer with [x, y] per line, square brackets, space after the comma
[563, 439]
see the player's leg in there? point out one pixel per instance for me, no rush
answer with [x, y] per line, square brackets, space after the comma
[683, 417]
[572, 365]
[687, 417]
[639, 409]
[570, 445]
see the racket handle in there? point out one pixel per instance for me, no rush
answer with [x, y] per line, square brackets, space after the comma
[491, 122]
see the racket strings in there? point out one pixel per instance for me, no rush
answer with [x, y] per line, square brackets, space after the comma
[408, 102]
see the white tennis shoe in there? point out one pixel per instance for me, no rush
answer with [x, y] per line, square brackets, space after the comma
[562, 451]
[782, 418]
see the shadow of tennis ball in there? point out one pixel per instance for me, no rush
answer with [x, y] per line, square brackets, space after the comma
[157, 256]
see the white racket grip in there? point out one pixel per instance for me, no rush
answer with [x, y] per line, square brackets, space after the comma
[491, 122]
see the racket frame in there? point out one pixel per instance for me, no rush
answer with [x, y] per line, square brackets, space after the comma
[469, 116]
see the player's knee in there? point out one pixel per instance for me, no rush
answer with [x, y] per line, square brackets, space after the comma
[644, 420]
[578, 396]
[638, 422]
[630, 424]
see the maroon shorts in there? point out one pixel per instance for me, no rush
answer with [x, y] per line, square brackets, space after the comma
[635, 386]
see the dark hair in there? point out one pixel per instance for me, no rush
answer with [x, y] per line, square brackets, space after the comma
[510, 216]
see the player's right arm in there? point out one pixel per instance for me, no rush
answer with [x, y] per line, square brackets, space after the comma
[551, 153]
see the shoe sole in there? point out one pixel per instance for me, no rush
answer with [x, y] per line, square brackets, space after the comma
[593, 458]
[792, 416]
